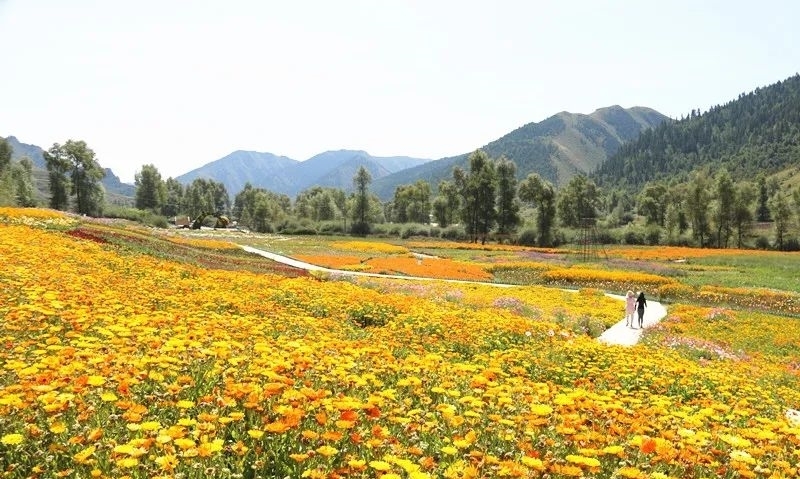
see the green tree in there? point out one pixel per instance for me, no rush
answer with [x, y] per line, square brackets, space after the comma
[86, 175]
[259, 209]
[22, 178]
[412, 203]
[725, 205]
[361, 205]
[762, 212]
[6, 181]
[540, 194]
[742, 211]
[781, 214]
[58, 168]
[205, 196]
[151, 191]
[577, 202]
[174, 197]
[652, 204]
[508, 218]
[446, 204]
[697, 200]
[6, 152]
[477, 192]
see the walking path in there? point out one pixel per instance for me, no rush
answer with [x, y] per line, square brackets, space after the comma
[627, 336]
[618, 334]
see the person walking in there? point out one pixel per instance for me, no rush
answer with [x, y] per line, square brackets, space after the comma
[630, 307]
[641, 303]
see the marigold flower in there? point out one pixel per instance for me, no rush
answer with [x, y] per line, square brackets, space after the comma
[12, 439]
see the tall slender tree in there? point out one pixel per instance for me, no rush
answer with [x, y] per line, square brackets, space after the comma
[508, 218]
[540, 194]
[361, 206]
[477, 191]
[151, 191]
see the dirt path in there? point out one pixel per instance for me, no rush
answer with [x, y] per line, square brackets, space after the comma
[618, 334]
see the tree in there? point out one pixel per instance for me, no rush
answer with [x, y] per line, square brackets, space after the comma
[477, 192]
[578, 201]
[697, 200]
[22, 178]
[762, 212]
[74, 171]
[6, 152]
[412, 203]
[151, 191]
[652, 204]
[58, 167]
[781, 216]
[174, 198]
[446, 204]
[86, 176]
[724, 211]
[540, 194]
[361, 206]
[6, 181]
[205, 196]
[742, 211]
[259, 208]
[507, 202]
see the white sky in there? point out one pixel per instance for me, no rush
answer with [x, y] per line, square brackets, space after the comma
[180, 83]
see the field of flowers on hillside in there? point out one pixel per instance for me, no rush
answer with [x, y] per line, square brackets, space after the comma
[117, 364]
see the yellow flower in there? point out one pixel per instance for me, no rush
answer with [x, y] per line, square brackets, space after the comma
[11, 439]
[327, 451]
[255, 433]
[449, 450]
[58, 427]
[82, 456]
[108, 397]
[96, 381]
[380, 465]
[533, 463]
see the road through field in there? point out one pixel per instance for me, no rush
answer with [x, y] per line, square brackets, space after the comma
[618, 334]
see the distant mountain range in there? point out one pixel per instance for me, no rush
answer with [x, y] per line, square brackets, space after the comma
[557, 149]
[287, 176]
[756, 134]
[111, 182]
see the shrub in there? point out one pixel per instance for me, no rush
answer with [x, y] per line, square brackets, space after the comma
[792, 244]
[455, 233]
[527, 237]
[303, 226]
[331, 227]
[653, 235]
[415, 229]
[633, 237]
[360, 229]
[762, 242]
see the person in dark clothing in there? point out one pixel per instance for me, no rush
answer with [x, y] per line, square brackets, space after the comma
[641, 303]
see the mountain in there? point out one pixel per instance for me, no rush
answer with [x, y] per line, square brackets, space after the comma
[240, 167]
[21, 150]
[287, 176]
[757, 133]
[111, 182]
[557, 148]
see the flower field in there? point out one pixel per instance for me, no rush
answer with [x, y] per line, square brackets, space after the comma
[116, 363]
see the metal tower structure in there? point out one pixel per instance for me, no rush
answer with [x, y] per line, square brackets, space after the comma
[591, 248]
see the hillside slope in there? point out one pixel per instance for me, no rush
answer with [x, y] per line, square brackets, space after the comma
[757, 133]
[556, 148]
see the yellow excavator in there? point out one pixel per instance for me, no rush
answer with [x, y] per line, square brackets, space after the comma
[222, 221]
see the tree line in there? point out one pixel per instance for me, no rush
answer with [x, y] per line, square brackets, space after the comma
[484, 201]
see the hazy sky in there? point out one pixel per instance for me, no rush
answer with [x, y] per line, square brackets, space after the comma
[182, 83]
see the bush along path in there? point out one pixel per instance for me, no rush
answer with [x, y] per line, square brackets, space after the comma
[619, 334]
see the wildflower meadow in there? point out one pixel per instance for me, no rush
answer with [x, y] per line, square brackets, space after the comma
[119, 359]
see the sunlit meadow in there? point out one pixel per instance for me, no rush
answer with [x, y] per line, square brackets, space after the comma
[115, 363]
